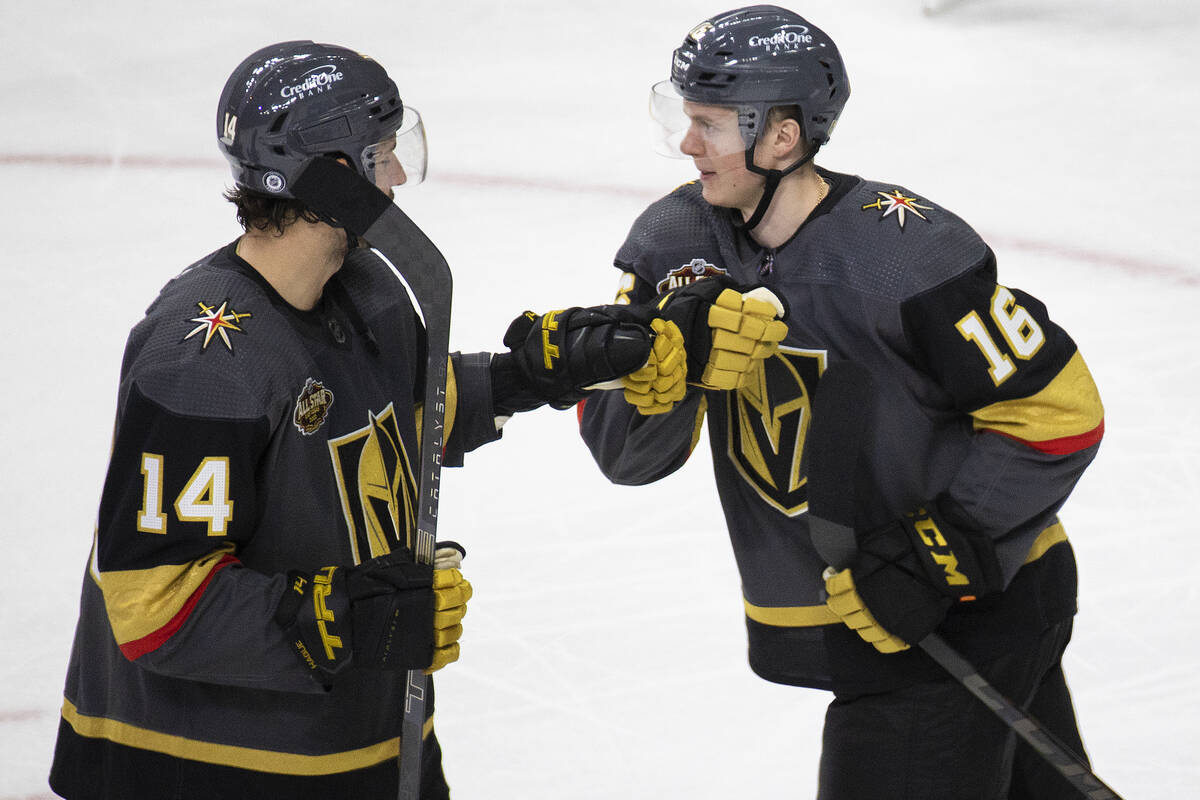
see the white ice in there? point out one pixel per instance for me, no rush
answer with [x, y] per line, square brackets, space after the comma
[604, 655]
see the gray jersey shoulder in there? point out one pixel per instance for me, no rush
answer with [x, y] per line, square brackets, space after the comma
[879, 238]
[885, 240]
[213, 343]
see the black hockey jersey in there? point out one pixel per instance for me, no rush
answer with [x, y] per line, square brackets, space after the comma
[251, 439]
[982, 398]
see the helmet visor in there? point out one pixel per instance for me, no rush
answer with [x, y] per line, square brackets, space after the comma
[710, 130]
[668, 123]
[400, 159]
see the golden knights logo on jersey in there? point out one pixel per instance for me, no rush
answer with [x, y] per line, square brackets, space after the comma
[376, 483]
[768, 423]
[216, 321]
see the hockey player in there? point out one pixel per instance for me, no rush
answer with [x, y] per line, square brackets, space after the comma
[251, 604]
[987, 416]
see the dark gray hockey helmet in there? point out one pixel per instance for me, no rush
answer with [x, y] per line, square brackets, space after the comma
[294, 100]
[763, 56]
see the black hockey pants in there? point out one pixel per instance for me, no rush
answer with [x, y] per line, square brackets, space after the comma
[936, 741]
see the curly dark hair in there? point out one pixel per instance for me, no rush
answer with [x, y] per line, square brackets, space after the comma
[262, 212]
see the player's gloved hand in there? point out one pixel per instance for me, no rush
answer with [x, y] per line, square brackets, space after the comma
[727, 332]
[845, 601]
[658, 386]
[906, 577]
[451, 591]
[387, 613]
[557, 356]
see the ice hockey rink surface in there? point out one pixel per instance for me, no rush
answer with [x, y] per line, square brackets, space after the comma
[604, 652]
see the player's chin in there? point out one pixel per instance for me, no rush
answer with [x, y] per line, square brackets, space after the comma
[712, 193]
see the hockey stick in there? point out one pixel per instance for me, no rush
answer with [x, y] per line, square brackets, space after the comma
[840, 423]
[336, 191]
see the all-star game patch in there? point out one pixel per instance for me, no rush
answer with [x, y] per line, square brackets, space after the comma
[690, 272]
[312, 407]
[216, 321]
[897, 203]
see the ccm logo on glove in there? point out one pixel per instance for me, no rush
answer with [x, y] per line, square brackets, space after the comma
[961, 564]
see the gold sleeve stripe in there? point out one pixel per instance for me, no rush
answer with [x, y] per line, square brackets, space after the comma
[791, 616]
[451, 406]
[232, 755]
[451, 402]
[146, 606]
[1064, 417]
[811, 616]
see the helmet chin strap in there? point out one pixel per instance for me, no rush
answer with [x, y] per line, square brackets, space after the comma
[774, 176]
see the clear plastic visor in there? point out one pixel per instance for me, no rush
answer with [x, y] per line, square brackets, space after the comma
[398, 160]
[708, 130]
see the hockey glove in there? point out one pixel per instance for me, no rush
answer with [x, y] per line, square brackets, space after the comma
[388, 613]
[557, 356]
[658, 386]
[451, 591]
[907, 575]
[727, 333]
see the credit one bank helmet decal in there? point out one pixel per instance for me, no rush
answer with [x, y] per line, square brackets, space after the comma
[752, 59]
[294, 100]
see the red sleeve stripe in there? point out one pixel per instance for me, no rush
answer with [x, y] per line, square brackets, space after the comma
[140, 647]
[579, 410]
[1064, 446]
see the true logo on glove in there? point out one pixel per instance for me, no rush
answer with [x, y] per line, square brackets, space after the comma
[927, 529]
[549, 351]
[322, 586]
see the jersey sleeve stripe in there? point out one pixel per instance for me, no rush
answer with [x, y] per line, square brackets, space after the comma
[139, 647]
[1065, 445]
[1064, 417]
[451, 402]
[145, 607]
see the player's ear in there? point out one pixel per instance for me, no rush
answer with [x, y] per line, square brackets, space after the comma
[787, 140]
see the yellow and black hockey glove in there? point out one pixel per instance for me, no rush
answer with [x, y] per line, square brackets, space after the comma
[451, 591]
[907, 575]
[658, 386]
[727, 331]
[556, 357]
[388, 613]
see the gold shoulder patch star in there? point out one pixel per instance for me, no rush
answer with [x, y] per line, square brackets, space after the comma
[900, 204]
[215, 322]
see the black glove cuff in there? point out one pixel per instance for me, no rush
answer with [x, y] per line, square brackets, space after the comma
[289, 604]
[958, 563]
[314, 612]
[510, 394]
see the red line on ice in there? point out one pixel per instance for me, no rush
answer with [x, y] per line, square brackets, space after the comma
[1127, 264]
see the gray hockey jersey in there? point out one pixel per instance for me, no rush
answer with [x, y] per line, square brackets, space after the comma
[983, 400]
[251, 439]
